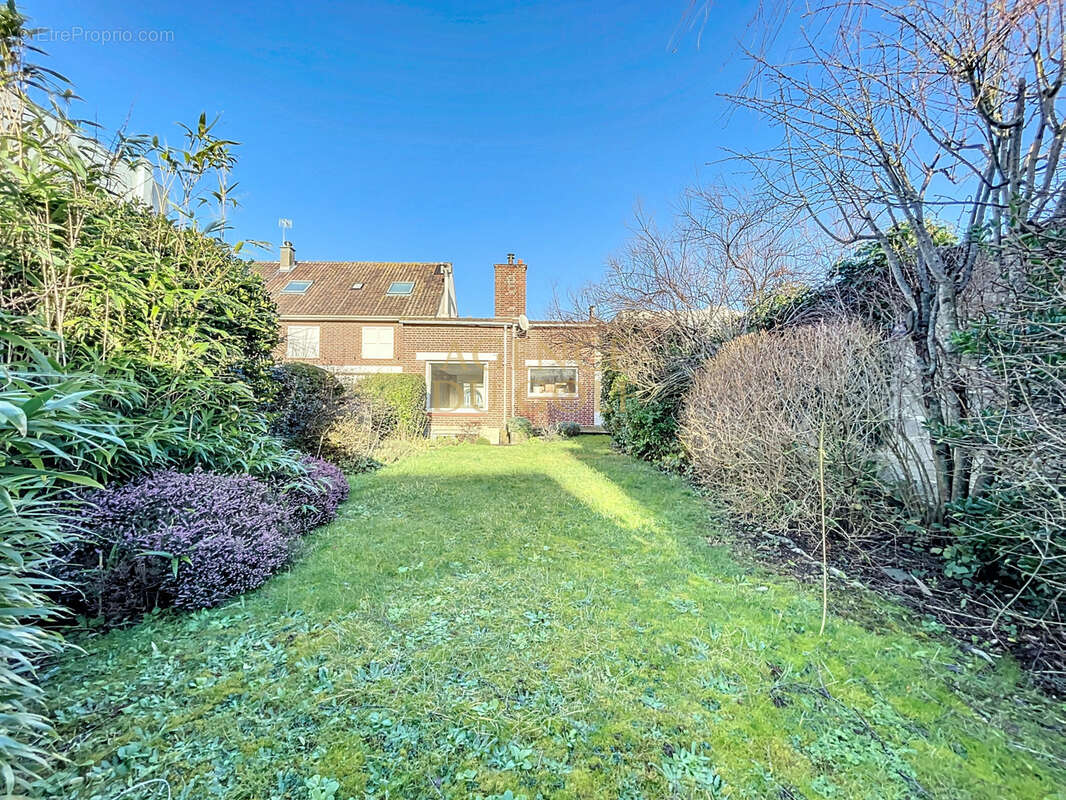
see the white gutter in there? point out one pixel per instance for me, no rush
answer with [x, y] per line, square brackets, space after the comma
[459, 321]
[399, 320]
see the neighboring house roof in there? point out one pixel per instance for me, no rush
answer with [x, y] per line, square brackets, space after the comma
[331, 291]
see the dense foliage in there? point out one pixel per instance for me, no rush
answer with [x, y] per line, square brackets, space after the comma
[135, 341]
[188, 540]
[400, 399]
[54, 437]
[642, 426]
[312, 499]
[306, 401]
[1011, 531]
[136, 285]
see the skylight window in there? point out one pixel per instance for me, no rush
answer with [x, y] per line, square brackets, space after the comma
[401, 287]
[296, 287]
[357, 286]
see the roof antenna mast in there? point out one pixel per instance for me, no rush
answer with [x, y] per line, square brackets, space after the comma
[284, 224]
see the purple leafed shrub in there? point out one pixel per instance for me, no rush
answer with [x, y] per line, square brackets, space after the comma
[187, 540]
[313, 500]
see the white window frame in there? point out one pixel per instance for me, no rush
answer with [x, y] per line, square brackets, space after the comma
[546, 396]
[369, 353]
[290, 340]
[429, 388]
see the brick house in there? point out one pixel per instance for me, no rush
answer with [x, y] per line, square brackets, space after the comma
[355, 318]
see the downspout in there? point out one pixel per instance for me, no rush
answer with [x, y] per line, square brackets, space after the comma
[505, 379]
[514, 343]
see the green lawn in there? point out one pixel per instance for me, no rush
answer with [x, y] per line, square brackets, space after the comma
[550, 620]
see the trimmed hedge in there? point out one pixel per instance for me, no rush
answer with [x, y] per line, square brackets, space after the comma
[404, 399]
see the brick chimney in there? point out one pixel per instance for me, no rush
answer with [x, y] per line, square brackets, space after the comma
[288, 257]
[511, 287]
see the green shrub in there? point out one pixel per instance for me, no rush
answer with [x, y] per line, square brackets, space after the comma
[646, 428]
[159, 344]
[519, 429]
[305, 404]
[566, 429]
[1010, 534]
[61, 428]
[402, 398]
[184, 420]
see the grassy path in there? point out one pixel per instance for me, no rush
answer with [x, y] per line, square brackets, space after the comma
[547, 620]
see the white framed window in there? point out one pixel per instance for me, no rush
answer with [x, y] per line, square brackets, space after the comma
[553, 381]
[377, 341]
[301, 341]
[296, 287]
[457, 386]
[401, 287]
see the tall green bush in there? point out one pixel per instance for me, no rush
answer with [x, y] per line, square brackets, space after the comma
[156, 352]
[641, 426]
[305, 404]
[403, 398]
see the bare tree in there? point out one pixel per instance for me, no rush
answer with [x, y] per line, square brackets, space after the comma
[673, 295]
[893, 115]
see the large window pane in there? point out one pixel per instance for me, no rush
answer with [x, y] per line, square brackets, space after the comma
[302, 341]
[454, 387]
[553, 381]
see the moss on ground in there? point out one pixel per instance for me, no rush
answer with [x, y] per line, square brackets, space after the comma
[547, 620]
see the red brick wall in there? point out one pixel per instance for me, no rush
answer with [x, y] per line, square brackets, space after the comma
[510, 289]
[340, 346]
[550, 344]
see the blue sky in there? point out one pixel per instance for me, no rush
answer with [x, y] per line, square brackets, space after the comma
[429, 131]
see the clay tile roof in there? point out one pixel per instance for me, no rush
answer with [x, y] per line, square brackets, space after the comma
[331, 291]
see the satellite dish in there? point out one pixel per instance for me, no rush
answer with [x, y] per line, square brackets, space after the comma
[523, 322]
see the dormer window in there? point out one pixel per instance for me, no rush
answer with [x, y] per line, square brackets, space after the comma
[296, 287]
[357, 286]
[401, 288]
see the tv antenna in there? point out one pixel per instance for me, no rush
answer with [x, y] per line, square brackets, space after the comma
[284, 224]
